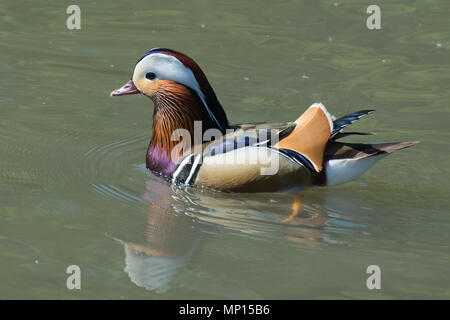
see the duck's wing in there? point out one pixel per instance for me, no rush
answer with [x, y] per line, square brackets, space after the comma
[342, 122]
[260, 134]
[310, 136]
[340, 135]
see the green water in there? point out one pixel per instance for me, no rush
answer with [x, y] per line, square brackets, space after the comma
[73, 184]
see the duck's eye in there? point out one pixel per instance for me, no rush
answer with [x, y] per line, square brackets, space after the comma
[150, 75]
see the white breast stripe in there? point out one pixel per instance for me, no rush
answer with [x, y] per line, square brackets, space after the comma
[194, 167]
[180, 167]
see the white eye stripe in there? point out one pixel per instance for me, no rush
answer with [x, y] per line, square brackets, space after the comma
[168, 67]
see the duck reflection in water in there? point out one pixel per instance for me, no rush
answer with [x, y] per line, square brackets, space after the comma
[178, 219]
[165, 245]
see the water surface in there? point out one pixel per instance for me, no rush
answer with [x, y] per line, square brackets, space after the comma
[74, 189]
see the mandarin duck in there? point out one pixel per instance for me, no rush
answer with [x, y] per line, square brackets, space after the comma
[240, 157]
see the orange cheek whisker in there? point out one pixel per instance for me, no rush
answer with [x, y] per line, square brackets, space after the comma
[175, 108]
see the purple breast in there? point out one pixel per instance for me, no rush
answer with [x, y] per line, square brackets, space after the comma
[159, 161]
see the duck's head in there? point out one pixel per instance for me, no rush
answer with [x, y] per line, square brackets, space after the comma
[174, 81]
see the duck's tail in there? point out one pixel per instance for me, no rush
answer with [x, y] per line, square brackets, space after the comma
[313, 142]
[347, 161]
